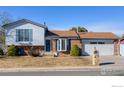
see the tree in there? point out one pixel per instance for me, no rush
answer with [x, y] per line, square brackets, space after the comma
[79, 29]
[5, 18]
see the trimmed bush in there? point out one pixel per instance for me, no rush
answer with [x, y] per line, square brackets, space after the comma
[75, 51]
[1, 52]
[12, 50]
[34, 52]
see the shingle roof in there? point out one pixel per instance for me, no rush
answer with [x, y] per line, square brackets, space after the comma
[83, 35]
[64, 33]
[102, 35]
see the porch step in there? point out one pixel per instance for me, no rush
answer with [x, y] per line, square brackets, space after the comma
[48, 54]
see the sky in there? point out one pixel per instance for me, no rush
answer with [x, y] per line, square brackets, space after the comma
[95, 19]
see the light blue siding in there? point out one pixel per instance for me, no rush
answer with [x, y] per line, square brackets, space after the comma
[38, 35]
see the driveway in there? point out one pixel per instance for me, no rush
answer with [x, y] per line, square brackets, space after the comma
[112, 65]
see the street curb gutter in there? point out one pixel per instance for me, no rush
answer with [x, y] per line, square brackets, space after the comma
[45, 69]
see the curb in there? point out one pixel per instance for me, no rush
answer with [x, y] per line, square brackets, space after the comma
[88, 68]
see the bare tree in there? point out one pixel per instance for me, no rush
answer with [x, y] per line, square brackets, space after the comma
[5, 18]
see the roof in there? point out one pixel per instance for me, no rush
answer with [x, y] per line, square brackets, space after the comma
[24, 21]
[63, 33]
[100, 35]
[84, 35]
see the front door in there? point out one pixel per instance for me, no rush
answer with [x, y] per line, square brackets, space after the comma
[48, 43]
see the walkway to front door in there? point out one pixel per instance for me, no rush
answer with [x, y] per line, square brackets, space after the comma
[48, 45]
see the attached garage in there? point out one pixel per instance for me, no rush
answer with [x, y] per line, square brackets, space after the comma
[122, 47]
[105, 47]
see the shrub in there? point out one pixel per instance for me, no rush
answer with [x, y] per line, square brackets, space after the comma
[34, 52]
[12, 50]
[1, 52]
[75, 51]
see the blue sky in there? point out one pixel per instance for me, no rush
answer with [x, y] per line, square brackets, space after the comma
[97, 19]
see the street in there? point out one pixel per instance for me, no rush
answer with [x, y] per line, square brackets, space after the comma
[64, 73]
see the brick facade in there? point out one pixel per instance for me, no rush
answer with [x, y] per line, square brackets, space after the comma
[27, 48]
[54, 45]
[116, 49]
[76, 42]
[66, 53]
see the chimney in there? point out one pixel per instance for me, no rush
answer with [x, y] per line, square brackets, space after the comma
[77, 29]
[44, 23]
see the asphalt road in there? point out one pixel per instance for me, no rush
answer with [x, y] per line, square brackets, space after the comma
[65, 73]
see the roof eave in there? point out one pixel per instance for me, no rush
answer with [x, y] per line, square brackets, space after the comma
[99, 38]
[24, 20]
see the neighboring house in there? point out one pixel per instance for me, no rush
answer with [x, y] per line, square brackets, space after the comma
[25, 34]
[121, 48]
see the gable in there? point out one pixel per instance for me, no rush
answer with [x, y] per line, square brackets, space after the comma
[37, 31]
[22, 22]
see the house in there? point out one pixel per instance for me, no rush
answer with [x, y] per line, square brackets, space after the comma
[121, 48]
[25, 34]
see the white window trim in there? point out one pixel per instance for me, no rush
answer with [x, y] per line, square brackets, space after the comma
[61, 45]
[24, 34]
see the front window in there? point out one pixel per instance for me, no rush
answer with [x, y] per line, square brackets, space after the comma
[93, 42]
[97, 42]
[61, 44]
[101, 42]
[23, 35]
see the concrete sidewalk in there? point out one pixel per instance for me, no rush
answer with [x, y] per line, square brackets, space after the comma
[82, 68]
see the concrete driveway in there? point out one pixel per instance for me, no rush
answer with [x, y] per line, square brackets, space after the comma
[112, 65]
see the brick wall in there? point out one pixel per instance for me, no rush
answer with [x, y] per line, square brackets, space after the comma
[27, 48]
[76, 42]
[116, 49]
[73, 42]
[54, 45]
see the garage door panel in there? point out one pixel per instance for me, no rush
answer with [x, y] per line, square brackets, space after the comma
[104, 49]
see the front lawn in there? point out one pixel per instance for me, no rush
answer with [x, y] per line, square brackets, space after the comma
[19, 62]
